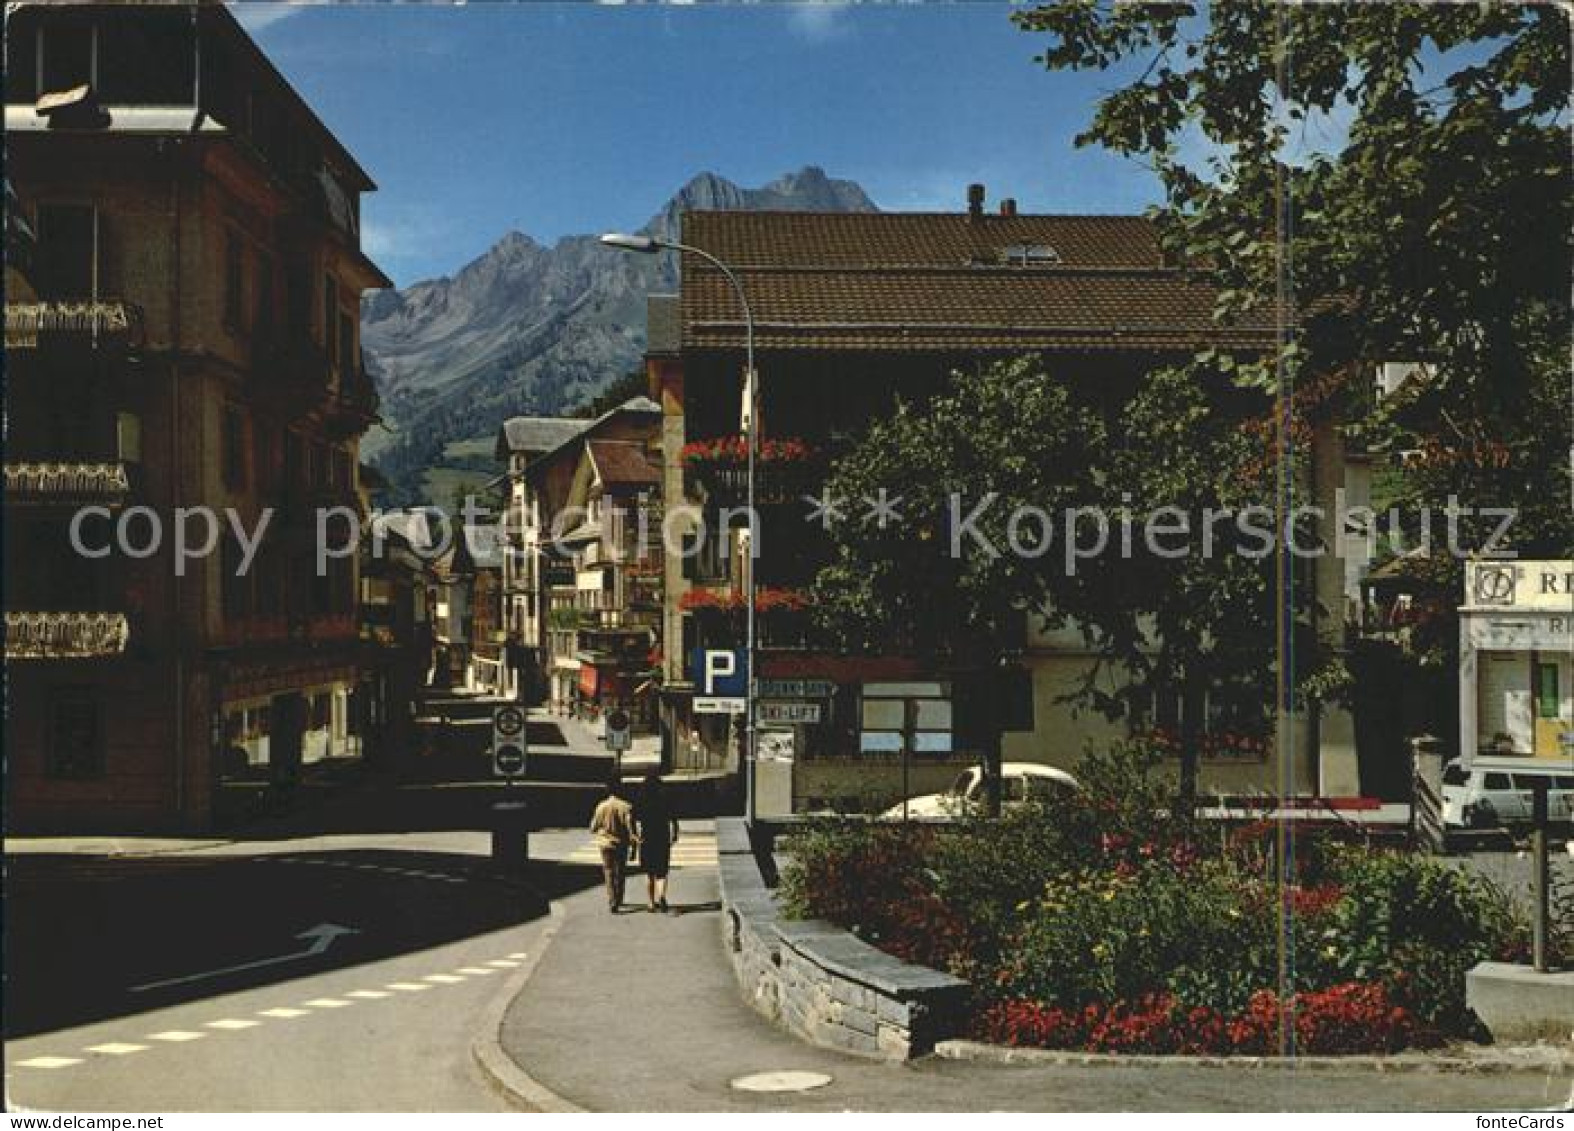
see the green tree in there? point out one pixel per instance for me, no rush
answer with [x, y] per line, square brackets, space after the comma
[911, 583]
[1396, 177]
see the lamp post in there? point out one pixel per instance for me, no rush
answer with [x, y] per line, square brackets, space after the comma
[649, 245]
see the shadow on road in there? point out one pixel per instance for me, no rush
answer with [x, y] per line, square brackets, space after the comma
[93, 938]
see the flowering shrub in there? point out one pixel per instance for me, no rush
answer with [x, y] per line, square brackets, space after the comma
[1099, 924]
[735, 450]
[766, 600]
[1352, 1017]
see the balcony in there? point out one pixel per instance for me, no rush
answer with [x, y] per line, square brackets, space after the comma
[784, 470]
[65, 636]
[95, 322]
[354, 407]
[66, 484]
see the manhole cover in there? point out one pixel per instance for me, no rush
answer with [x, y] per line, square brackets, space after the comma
[781, 1082]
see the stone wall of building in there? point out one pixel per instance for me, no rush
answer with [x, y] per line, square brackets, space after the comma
[821, 982]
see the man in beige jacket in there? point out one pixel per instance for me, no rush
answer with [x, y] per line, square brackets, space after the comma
[613, 826]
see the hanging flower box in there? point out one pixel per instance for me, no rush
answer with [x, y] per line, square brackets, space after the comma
[784, 469]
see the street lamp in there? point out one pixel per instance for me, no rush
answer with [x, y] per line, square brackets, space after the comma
[649, 245]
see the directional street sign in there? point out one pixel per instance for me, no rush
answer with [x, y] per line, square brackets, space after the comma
[508, 742]
[508, 760]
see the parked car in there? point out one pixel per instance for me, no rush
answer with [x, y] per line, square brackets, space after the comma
[1020, 782]
[1492, 794]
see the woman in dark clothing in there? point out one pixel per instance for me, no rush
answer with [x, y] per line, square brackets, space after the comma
[658, 832]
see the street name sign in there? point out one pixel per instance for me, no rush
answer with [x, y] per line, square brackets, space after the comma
[713, 705]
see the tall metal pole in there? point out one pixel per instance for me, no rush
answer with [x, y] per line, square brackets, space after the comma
[648, 245]
[752, 391]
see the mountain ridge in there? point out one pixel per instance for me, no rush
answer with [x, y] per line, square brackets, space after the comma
[527, 328]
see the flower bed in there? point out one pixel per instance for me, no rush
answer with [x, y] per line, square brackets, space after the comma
[1098, 926]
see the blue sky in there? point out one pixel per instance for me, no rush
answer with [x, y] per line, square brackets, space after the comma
[566, 118]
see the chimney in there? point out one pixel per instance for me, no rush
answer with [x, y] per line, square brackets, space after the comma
[1008, 206]
[975, 201]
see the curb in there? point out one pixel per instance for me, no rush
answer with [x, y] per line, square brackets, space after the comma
[1545, 1058]
[502, 1072]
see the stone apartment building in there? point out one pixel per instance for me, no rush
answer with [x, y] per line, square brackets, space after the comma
[850, 311]
[183, 334]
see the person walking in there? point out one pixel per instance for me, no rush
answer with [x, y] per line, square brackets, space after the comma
[612, 824]
[658, 832]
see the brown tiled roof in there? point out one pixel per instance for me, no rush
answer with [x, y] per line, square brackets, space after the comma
[622, 463]
[929, 281]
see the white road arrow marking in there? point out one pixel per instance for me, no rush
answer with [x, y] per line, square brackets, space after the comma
[321, 938]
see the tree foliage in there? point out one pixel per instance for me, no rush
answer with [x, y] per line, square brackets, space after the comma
[1396, 178]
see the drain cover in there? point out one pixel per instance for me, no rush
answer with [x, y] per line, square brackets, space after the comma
[787, 1081]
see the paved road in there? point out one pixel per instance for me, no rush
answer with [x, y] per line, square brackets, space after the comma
[379, 1020]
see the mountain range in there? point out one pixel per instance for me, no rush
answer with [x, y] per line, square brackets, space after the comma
[527, 329]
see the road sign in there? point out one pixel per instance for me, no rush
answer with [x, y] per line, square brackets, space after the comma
[618, 730]
[508, 721]
[795, 689]
[721, 672]
[713, 705]
[789, 713]
[508, 742]
[508, 760]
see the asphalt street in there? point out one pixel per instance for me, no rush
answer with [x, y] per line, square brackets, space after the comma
[328, 973]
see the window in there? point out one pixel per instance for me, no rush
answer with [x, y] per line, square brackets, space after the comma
[263, 324]
[67, 251]
[262, 452]
[330, 317]
[346, 346]
[1546, 691]
[234, 282]
[146, 57]
[66, 52]
[234, 449]
[1497, 781]
[128, 437]
[1455, 775]
[235, 587]
[76, 735]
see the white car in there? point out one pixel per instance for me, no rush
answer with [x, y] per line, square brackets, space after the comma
[1020, 782]
[1493, 794]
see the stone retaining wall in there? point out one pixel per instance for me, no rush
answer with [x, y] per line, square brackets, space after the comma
[821, 982]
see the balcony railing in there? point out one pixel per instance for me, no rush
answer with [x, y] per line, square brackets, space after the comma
[93, 320]
[66, 484]
[65, 636]
[784, 470]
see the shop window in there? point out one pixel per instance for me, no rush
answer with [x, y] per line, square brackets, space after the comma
[346, 346]
[76, 735]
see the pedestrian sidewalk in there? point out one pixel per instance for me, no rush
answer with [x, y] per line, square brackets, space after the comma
[641, 1012]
